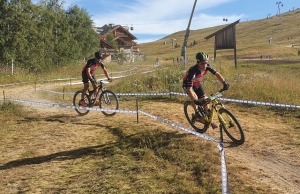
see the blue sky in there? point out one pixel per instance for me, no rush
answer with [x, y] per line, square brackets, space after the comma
[155, 19]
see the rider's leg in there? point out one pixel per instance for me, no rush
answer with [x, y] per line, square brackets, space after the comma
[85, 81]
[198, 95]
[95, 89]
[207, 109]
[193, 96]
[201, 96]
[84, 90]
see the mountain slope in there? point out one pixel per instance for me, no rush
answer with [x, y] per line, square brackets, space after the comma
[252, 39]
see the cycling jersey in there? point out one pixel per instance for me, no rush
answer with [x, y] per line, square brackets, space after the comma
[93, 65]
[194, 76]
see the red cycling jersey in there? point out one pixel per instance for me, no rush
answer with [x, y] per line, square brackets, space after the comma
[93, 65]
[194, 76]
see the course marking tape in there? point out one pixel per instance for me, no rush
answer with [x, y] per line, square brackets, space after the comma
[178, 126]
[224, 175]
[183, 94]
[71, 106]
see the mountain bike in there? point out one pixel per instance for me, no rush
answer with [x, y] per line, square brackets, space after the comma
[106, 100]
[228, 121]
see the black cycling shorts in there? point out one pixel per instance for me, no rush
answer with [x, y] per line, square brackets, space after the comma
[85, 78]
[197, 89]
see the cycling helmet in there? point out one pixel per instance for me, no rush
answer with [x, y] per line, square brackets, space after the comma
[98, 55]
[201, 56]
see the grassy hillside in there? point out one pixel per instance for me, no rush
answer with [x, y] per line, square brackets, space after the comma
[255, 79]
[252, 39]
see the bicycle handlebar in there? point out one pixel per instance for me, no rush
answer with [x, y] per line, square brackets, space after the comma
[211, 97]
[217, 94]
[103, 81]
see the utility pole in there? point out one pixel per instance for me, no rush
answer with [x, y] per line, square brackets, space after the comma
[187, 33]
[279, 3]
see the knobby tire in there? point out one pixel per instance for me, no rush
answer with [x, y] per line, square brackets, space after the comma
[232, 126]
[76, 99]
[108, 100]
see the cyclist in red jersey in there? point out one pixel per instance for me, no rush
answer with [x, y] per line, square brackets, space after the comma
[88, 75]
[192, 83]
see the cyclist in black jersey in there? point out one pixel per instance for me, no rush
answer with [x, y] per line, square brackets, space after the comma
[192, 83]
[88, 75]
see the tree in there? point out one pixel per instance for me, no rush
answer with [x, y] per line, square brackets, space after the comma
[44, 35]
[82, 29]
[110, 38]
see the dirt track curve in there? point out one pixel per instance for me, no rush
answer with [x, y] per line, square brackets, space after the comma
[270, 156]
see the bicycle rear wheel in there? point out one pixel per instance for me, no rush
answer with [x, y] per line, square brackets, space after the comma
[231, 126]
[108, 100]
[80, 109]
[197, 125]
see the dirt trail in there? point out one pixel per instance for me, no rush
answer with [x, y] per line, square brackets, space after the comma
[270, 156]
[268, 153]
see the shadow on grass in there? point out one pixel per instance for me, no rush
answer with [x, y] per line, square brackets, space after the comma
[56, 118]
[124, 142]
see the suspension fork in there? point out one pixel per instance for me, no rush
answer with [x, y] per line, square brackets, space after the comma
[219, 105]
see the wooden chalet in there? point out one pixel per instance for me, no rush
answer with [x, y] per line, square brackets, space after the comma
[123, 37]
[106, 46]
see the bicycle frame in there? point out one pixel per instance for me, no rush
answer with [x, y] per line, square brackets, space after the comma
[215, 109]
[100, 88]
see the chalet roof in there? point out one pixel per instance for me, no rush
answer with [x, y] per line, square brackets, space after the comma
[104, 29]
[223, 29]
[107, 44]
[118, 38]
[107, 28]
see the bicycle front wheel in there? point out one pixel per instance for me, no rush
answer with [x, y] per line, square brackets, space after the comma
[231, 126]
[108, 100]
[197, 125]
[80, 109]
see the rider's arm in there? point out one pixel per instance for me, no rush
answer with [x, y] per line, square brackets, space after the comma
[222, 80]
[88, 72]
[219, 77]
[106, 72]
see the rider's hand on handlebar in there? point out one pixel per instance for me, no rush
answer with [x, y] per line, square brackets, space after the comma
[225, 85]
[93, 81]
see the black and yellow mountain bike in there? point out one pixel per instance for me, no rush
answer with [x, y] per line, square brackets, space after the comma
[228, 121]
